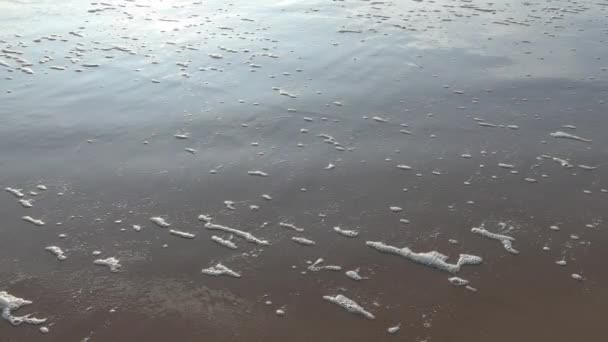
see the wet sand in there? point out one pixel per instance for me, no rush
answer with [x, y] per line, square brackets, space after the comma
[450, 89]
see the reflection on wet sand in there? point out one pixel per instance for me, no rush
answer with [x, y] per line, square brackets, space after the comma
[283, 170]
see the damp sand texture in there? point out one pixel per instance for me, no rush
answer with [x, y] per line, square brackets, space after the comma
[303, 170]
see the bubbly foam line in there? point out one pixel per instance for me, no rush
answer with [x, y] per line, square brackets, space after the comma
[224, 242]
[219, 270]
[184, 235]
[349, 304]
[10, 303]
[432, 259]
[507, 241]
[245, 235]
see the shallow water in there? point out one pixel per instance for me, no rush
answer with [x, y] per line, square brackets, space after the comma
[314, 114]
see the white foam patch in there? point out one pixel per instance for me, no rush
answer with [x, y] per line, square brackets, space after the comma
[136, 228]
[290, 226]
[267, 197]
[219, 270]
[379, 119]
[395, 209]
[230, 205]
[354, 275]
[507, 241]
[159, 221]
[565, 135]
[576, 276]
[181, 234]
[182, 136]
[26, 203]
[562, 162]
[245, 235]
[506, 166]
[224, 242]
[56, 251]
[457, 281]
[393, 329]
[16, 192]
[315, 267]
[10, 303]
[303, 241]
[112, 263]
[33, 220]
[348, 304]
[404, 167]
[432, 259]
[257, 173]
[345, 232]
[41, 187]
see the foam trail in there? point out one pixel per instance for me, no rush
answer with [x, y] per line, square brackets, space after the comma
[112, 263]
[219, 270]
[345, 232]
[182, 136]
[32, 220]
[303, 241]
[432, 259]
[394, 329]
[257, 173]
[348, 304]
[507, 241]
[245, 235]
[26, 203]
[10, 303]
[184, 235]
[159, 221]
[16, 192]
[354, 275]
[57, 252]
[290, 226]
[457, 281]
[565, 135]
[224, 242]
[316, 268]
